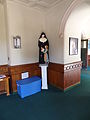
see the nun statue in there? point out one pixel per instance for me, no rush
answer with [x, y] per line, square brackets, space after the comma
[43, 49]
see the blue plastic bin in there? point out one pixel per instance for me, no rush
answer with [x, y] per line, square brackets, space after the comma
[28, 86]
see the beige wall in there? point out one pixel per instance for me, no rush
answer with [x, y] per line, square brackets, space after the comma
[3, 46]
[27, 23]
[53, 20]
[59, 48]
[77, 23]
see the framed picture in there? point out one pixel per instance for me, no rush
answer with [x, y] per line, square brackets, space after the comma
[73, 46]
[17, 42]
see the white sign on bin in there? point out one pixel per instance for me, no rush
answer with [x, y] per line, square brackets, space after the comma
[24, 75]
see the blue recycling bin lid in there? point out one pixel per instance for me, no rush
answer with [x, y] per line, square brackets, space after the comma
[27, 80]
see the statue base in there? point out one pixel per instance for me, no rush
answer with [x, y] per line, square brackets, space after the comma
[44, 75]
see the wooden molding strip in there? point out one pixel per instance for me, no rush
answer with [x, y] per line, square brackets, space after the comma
[72, 66]
[65, 67]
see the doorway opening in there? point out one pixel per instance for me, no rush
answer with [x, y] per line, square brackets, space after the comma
[85, 53]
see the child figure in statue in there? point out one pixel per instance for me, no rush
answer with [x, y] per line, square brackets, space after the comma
[43, 49]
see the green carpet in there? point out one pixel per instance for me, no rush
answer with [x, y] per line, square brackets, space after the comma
[51, 104]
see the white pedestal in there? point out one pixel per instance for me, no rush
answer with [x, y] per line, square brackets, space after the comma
[44, 75]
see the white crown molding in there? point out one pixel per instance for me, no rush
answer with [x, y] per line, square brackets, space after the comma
[19, 2]
[56, 2]
[38, 4]
[39, 9]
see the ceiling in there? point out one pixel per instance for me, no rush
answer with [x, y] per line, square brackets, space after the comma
[41, 4]
[45, 4]
[0, 1]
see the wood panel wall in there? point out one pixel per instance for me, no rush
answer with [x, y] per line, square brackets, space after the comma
[64, 76]
[3, 71]
[72, 73]
[59, 75]
[88, 60]
[56, 75]
[16, 71]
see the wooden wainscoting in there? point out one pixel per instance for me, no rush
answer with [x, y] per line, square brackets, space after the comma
[64, 76]
[16, 71]
[60, 75]
[88, 60]
[55, 75]
[3, 71]
[72, 74]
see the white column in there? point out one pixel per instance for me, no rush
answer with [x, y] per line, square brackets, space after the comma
[44, 75]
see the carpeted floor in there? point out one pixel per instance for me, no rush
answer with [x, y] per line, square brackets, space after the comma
[51, 104]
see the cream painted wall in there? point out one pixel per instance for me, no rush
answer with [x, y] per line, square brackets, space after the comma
[3, 46]
[27, 23]
[77, 23]
[53, 20]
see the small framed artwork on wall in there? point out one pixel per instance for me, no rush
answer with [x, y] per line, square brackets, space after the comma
[73, 46]
[17, 42]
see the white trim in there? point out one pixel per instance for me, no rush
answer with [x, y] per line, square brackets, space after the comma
[37, 4]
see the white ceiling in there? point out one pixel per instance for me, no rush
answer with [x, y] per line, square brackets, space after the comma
[44, 4]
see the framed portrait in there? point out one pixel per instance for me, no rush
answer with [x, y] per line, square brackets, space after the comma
[73, 46]
[17, 42]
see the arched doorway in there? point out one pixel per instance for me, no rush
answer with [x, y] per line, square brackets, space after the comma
[74, 23]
